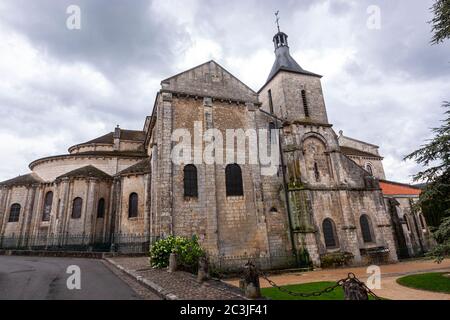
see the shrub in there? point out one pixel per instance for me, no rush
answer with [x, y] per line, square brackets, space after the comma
[333, 260]
[188, 252]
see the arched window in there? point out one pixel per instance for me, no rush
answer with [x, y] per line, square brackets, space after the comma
[233, 179]
[273, 210]
[47, 206]
[305, 104]
[316, 172]
[101, 208]
[133, 205]
[272, 136]
[365, 228]
[77, 208]
[369, 168]
[329, 233]
[14, 213]
[270, 101]
[190, 181]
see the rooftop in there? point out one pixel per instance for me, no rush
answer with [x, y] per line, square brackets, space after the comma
[391, 188]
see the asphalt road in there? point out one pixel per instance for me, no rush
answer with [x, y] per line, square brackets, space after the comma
[33, 278]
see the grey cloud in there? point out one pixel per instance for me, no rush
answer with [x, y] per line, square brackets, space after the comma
[134, 48]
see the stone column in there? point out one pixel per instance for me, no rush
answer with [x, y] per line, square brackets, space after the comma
[255, 173]
[349, 231]
[90, 212]
[28, 214]
[147, 203]
[207, 185]
[6, 206]
[166, 166]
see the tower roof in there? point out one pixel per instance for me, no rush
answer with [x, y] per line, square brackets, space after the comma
[284, 60]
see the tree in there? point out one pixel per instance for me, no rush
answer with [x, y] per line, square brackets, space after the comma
[435, 198]
[442, 236]
[441, 21]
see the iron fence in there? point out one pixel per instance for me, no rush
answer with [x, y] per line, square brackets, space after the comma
[122, 243]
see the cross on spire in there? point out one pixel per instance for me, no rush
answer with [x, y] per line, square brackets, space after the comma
[277, 20]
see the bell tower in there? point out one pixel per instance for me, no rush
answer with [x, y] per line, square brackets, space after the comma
[291, 92]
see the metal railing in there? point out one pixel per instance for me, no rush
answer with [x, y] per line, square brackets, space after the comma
[122, 243]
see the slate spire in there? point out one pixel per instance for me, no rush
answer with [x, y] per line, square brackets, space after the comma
[283, 58]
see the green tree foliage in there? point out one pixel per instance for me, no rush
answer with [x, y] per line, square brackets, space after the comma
[435, 199]
[435, 157]
[442, 236]
[441, 21]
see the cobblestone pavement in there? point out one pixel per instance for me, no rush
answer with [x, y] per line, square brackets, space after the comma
[139, 289]
[390, 273]
[181, 284]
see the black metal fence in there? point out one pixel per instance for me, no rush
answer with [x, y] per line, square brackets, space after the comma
[122, 243]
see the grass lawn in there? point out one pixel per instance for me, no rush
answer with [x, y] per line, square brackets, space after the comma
[435, 282]
[275, 294]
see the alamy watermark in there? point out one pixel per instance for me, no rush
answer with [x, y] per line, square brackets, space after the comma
[239, 146]
[74, 280]
[73, 21]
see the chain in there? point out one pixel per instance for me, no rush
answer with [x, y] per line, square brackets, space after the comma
[300, 294]
[340, 283]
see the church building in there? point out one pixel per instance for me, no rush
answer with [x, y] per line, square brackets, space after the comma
[325, 199]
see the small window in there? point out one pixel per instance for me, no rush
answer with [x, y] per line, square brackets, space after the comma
[101, 208]
[365, 229]
[190, 181]
[133, 205]
[270, 101]
[369, 169]
[316, 172]
[271, 132]
[233, 177]
[329, 234]
[77, 208]
[305, 104]
[47, 206]
[14, 213]
[273, 210]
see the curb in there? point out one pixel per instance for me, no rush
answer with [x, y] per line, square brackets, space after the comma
[166, 295]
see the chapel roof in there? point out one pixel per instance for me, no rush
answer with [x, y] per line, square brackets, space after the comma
[131, 135]
[23, 180]
[359, 153]
[141, 167]
[391, 188]
[86, 172]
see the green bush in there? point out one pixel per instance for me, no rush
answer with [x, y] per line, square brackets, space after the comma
[188, 252]
[338, 259]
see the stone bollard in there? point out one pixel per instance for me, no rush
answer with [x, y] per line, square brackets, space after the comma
[250, 282]
[202, 270]
[172, 263]
[353, 290]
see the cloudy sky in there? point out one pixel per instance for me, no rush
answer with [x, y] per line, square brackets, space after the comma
[59, 87]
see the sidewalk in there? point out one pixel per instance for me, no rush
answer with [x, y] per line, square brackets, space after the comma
[174, 286]
[390, 273]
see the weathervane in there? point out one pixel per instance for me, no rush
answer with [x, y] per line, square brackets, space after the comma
[277, 20]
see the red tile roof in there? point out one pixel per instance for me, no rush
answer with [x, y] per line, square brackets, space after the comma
[395, 188]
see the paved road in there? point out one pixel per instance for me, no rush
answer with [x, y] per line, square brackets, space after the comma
[30, 278]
